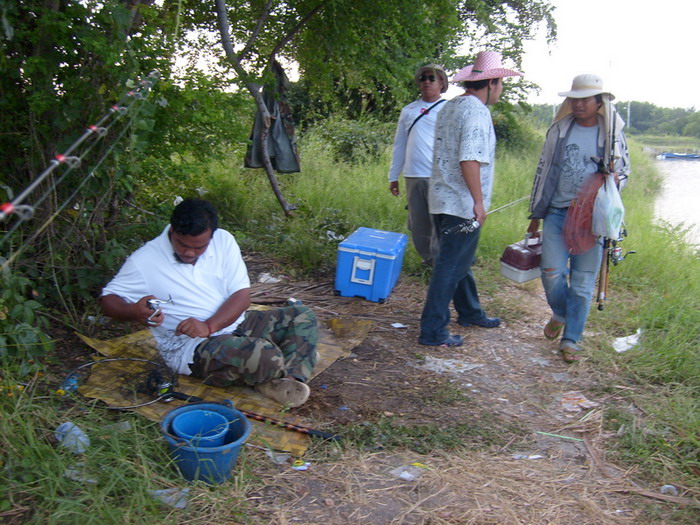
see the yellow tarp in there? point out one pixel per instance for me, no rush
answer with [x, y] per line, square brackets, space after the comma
[336, 341]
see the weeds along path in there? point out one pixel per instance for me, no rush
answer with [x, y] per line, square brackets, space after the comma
[507, 432]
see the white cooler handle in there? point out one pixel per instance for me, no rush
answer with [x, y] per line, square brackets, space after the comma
[363, 265]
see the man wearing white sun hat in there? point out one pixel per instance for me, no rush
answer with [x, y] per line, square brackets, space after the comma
[461, 185]
[578, 142]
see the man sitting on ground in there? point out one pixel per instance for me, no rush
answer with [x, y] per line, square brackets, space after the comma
[206, 329]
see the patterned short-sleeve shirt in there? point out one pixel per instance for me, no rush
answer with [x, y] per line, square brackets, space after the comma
[464, 131]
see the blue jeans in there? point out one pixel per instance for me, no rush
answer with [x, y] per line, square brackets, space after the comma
[568, 280]
[452, 281]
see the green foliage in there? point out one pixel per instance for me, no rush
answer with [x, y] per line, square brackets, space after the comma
[22, 341]
[645, 118]
[353, 140]
[512, 129]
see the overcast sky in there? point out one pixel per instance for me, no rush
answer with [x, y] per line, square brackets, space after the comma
[643, 51]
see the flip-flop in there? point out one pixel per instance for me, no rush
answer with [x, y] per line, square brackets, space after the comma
[570, 352]
[569, 355]
[550, 332]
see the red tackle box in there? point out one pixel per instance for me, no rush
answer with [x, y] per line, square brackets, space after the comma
[520, 262]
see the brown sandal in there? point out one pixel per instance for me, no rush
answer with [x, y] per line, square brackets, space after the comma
[551, 332]
[570, 351]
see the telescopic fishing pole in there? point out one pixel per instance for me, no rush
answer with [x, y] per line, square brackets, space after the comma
[612, 252]
[607, 169]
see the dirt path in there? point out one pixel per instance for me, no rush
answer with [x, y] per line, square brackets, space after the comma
[497, 423]
[533, 451]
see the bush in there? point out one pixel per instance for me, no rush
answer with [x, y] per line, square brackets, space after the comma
[353, 140]
[22, 340]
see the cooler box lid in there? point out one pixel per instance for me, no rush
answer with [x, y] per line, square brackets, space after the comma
[524, 255]
[378, 243]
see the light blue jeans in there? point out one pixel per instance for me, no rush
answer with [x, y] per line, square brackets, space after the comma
[568, 280]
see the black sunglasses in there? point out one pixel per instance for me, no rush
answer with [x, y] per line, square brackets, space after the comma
[423, 78]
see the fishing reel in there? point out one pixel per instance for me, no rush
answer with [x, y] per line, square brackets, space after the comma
[162, 384]
[616, 255]
[155, 304]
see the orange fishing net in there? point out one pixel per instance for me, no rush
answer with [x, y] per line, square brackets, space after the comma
[578, 227]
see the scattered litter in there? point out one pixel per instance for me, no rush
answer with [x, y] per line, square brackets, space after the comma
[388, 414]
[332, 236]
[121, 426]
[409, 472]
[574, 402]
[526, 456]
[94, 319]
[323, 387]
[300, 464]
[502, 400]
[77, 473]
[278, 457]
[176, 498]
[71, 437]
[69, 385]
[669, 489]
[622, 344]
[343, 408]
[435, 364]
[559, 436]
[540, 361]
[267, 278]
[398, 325]
[293, 302]
[560, 377]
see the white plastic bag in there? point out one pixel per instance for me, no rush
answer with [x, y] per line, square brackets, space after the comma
[608, 210]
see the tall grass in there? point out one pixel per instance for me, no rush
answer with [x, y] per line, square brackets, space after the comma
[656, 290]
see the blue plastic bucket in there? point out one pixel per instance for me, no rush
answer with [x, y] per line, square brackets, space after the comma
[209, 464]
[201, 428]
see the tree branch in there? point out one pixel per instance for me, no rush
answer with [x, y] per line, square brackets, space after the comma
[288, 37]
[258, 28]
[254, 90]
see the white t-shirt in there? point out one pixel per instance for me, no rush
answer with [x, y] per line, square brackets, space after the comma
[413, 153]
[464, 131]
[197, 290]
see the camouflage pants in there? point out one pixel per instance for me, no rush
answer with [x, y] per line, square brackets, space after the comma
[268, 344]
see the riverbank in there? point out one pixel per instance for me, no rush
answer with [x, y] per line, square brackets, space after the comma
[678, 202]
[478, 430]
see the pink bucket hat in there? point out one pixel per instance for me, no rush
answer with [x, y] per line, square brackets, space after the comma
[486, 66]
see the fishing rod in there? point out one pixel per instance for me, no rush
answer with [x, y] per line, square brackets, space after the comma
[98, 130]
[612, 252]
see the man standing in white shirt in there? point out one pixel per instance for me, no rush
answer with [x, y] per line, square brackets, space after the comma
[413, 155]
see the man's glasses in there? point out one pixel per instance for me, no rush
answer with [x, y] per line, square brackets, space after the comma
[423, 78]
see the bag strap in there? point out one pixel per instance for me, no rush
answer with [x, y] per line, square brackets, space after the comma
[422, 115]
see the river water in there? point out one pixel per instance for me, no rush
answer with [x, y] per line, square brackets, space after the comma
[679, 201]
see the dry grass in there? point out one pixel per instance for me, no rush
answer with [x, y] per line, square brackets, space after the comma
[460, 488]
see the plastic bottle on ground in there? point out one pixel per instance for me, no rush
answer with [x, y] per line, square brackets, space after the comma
[73, 438]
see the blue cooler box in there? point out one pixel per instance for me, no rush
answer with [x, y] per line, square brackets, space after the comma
[369, 264]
